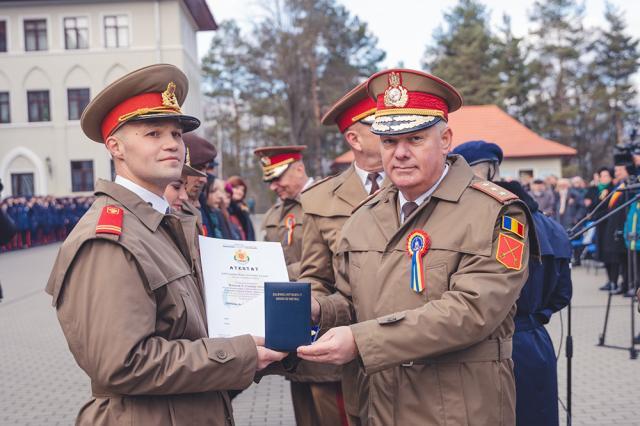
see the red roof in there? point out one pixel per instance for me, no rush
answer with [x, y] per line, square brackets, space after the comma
[491, 124]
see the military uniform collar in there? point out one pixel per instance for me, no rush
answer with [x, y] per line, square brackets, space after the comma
[364, 175]
[158, 203]
[131, 201]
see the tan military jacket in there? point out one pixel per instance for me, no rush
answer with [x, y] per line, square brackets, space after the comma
[442, 356]
[275, 229]
[132, 310]
[327, 205]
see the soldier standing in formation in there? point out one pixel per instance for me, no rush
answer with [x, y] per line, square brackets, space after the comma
[127, 283]
[328, 204]
[315, 388]
[427, 273]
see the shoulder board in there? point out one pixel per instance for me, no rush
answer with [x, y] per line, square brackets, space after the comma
[318, 182]
[494, 191]
[110, 221]
[366, 200]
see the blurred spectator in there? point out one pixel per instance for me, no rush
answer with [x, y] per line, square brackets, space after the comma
[544, 197]
[239, 212]
[7, 230]
[214, 222]
[570, 207]
[42, 220]
[236, 229]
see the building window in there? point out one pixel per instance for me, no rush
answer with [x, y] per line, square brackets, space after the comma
[22, 184]
[76, 33]
[116, 31]
[3, 36]
[38, 101]
[5, 111]
[82, 176]
[77, 100]
[35, 34]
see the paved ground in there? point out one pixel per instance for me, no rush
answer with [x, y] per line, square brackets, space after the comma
[40, 383]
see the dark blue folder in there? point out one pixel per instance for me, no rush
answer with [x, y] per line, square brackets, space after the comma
[287, 310]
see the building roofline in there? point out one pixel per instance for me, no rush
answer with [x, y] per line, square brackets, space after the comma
[199, 9]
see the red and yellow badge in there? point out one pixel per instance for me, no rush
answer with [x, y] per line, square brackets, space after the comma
[290, 223]
[418, 244]
[110, 221]
[509, 252]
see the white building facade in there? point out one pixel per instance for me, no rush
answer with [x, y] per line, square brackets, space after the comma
[55, 56]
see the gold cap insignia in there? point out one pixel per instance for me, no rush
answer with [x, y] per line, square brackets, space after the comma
[266, 161]
[169, 99]
[395, 95]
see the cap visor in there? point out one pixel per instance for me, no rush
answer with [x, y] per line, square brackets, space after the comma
[187, 122]
[187, 170]
[401, 124]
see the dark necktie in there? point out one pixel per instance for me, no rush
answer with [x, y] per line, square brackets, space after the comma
[373, 178]
[408, 208]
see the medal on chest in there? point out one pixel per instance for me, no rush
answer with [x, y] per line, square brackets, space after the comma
[418, 243]
[290, 224]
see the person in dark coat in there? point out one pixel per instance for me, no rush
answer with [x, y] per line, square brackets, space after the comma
[239, 210]
[547, 290]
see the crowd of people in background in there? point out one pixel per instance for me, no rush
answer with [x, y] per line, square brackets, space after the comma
[225, 213]
[42, 220]
[570, 200]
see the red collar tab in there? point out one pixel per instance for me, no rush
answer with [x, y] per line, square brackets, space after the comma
[355, 113]
[110, 221]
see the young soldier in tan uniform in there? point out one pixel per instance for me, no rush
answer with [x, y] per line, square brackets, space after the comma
[127, 282]
[329, 203]
[427, 275]
[315, 388]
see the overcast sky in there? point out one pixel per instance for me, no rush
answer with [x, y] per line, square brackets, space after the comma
[404, 27]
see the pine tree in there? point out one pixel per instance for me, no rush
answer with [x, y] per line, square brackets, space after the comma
[466, 54]
[514, 72]
[616, 60]
[558, 40]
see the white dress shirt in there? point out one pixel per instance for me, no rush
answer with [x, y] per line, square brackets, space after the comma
[364, 177]
[423, 197]
[159, 204]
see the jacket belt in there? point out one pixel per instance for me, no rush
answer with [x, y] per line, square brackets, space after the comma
[98, 392]
[488, 350]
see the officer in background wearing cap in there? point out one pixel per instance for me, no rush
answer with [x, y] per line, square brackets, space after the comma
[314, 387]
[547, 290]
[328, 204]
[201, 153]
[127, 282]
[428, 275]
[176, 192]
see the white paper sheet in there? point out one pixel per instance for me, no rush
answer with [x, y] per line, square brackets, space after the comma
[234, 277]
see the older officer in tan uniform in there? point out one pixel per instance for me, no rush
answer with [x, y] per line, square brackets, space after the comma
[427, 273]
[315, 388]
[127, 283]
[328, 204]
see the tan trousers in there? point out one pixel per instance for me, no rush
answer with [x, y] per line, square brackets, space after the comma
[318, 404]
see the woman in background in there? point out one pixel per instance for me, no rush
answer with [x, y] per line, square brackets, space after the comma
[239, 213]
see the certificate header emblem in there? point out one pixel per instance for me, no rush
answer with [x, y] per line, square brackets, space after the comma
[241, 256]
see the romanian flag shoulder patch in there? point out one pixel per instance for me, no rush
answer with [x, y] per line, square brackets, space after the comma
[509, 252]
[110, 221]
[513, 225]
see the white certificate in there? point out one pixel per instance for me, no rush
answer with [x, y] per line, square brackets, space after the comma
[234, 277]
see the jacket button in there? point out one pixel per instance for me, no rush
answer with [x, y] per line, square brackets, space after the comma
[221, 354]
